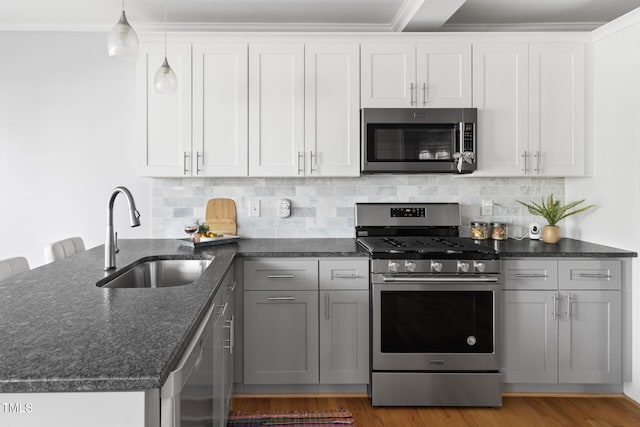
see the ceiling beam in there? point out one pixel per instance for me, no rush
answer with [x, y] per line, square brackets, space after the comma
[405, 14]
[432, 15]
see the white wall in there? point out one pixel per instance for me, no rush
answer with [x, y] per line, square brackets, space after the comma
[615, 183]
[66, 139]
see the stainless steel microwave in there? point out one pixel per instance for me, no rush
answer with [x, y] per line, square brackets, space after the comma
[418, 140]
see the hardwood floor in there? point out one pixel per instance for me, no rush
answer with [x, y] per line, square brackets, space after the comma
[516, 411]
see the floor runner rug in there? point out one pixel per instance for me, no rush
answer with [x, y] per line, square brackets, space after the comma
[330, 418]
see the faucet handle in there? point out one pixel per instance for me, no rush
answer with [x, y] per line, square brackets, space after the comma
[115, 242]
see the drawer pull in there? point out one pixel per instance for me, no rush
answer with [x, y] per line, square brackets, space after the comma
[281, 276]
[345, 276]
[531, 275]
[232, 287]
[281, 298]
[594, 276]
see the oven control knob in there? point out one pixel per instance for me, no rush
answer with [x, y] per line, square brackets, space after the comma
[393, 267]
[410, 266]
[480, 267]
[463, 267]
[436, 266]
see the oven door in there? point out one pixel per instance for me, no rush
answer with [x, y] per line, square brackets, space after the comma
[435, 323]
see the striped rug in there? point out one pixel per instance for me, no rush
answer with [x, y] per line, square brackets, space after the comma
[330, 418]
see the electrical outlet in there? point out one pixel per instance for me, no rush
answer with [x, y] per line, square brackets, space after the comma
[254, 207]
[487, 207]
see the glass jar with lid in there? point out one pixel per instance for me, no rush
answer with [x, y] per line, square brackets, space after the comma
[479, 230]
[498, 231]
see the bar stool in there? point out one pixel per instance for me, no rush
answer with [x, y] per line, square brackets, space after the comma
[12, 266]
[63, 249]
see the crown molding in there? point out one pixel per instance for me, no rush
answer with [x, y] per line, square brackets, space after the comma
[528, 27]
[214, 27]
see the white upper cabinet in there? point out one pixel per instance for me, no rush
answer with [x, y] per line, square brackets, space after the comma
[500, 85]
[556, 108]
[530, 100]
[276, 109]
[444, 74]
[416, 75]
[165, 120]
[332, 109]
[220, 109]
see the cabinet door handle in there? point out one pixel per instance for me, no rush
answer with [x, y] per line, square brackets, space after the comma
[198, 157]
[568, 312]
[220, 310]
[232, 287]
[230, 324]
[537, 156]
[531, 275]
[281, 298]
[184, 163]
[555, 315]
[281, 276]
[525, 156]
[312, 162]
[411, 88]
[300, 157]
[594, 276]
[327, 304]
[424, 94]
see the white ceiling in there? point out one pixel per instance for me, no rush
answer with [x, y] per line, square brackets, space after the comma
[315, 15]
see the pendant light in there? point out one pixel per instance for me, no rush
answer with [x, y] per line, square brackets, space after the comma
[166, 81]
[123, 40]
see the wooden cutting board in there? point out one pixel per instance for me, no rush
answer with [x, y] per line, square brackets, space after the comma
[220, 216]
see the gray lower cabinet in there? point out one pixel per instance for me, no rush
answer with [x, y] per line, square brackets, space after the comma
[280, 337]
[562, 321]
[222, 350]
[306, 321]
[344, 321]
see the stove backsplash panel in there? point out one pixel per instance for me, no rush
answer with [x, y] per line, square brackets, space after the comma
[324, 207]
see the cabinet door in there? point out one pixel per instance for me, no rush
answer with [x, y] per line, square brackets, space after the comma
[530, 348]
[344, 337]
[590, 337]
[220, 109]
[276, 109]
[388, 75]
[444, 74]
[332, 109]
[281, 337]
[165, 120]
[500, 93]
[228, 343]
[556, 108]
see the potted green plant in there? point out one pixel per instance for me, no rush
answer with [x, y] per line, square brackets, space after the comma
[553, 211]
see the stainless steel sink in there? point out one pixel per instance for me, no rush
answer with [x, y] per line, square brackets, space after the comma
[158, 273]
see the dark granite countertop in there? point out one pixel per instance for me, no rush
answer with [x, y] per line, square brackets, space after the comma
[62, 333]
[565, 248]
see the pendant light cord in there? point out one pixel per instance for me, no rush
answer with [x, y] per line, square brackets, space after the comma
[165, 28]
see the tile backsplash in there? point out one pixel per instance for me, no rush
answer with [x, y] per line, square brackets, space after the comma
[324, 207]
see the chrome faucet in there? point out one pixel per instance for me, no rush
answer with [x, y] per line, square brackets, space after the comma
[111, 243]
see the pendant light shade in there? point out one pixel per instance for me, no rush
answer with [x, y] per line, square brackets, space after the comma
[123, 40]
[166, 81]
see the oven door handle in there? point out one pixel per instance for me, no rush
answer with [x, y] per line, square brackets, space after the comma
[440, 279]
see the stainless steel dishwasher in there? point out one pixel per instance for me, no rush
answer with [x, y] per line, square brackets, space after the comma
[187, 395]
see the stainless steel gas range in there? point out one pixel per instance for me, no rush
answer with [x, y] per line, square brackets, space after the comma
[435, 312]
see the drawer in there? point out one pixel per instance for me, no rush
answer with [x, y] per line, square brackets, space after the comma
[280, 275]
[344, 274]
[590, 274]
[530, 274]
